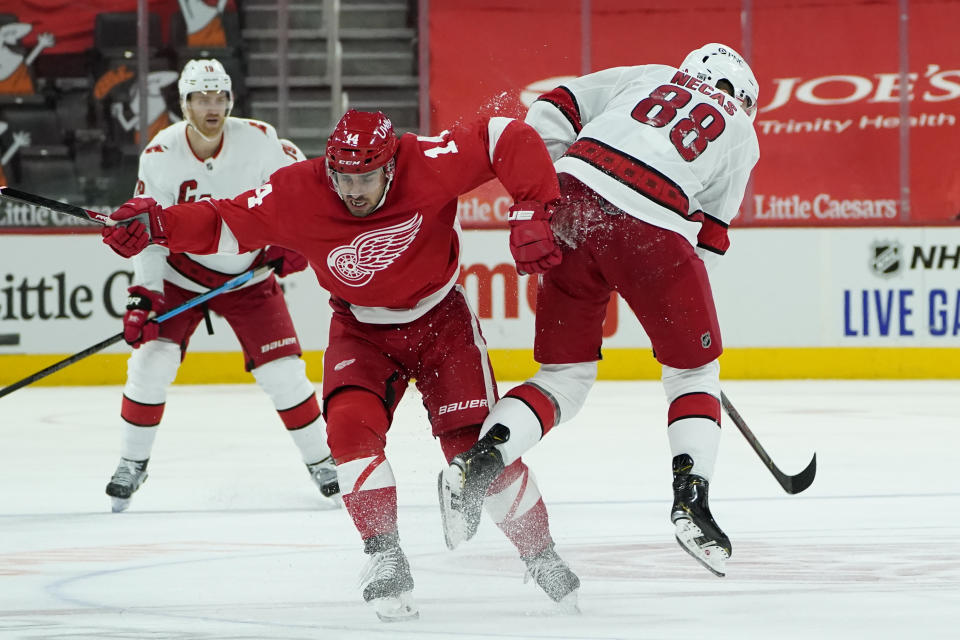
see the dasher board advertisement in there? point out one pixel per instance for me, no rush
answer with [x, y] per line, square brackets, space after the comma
[795, 289]
[831, 131]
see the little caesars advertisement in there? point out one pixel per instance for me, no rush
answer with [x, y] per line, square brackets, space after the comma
[797, 289]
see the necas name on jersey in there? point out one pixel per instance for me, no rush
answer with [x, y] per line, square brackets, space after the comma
[690, 82]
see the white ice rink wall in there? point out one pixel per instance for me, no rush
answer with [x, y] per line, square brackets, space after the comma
[793, 303]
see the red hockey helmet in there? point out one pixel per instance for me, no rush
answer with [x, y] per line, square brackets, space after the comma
[361, 142]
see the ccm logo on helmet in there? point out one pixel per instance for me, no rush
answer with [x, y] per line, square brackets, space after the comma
[460, 406]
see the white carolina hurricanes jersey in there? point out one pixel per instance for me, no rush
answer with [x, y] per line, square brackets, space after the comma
[659, 144]
[171, 173]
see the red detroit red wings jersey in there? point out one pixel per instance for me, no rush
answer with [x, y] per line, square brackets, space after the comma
[398, 262]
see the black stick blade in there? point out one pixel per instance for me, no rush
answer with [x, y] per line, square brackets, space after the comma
[790, 484]
[799, 482]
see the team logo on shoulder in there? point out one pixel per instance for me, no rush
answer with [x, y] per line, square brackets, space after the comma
[356, 263]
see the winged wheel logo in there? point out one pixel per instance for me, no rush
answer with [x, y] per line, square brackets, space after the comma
[356, 263]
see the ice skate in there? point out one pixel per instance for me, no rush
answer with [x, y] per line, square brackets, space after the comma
[696, 530]
[555, 578]
[463, 485]
[386, 581]
[128, 477]
[324, 475]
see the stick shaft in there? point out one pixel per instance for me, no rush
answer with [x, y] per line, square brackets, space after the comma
[103, 344]
[53, 205]
[233, 283]
[790, 484]
[57, 366]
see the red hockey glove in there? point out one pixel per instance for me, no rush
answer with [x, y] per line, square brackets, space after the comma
[531, 238]
[139, 222]
[138, 324]
[290, 261]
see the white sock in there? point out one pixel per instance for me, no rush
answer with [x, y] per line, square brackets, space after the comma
[137, 442]
[700, 439]
[312, 442]
[523, 423]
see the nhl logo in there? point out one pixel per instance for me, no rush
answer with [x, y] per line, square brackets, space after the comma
[705, 340]
[885, 258]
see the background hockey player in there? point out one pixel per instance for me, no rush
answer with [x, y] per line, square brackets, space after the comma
[377, 220]
[212, 154]
[653, 162]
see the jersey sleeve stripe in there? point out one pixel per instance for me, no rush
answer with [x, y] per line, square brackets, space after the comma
[565, 102]
[495, 128]
[713, 234]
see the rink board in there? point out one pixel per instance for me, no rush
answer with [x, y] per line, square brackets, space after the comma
[793, 303]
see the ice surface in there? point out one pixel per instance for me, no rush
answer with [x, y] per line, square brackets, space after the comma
[225, 539]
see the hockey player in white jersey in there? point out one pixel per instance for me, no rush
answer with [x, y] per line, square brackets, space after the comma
[211, 154]
[653, 162]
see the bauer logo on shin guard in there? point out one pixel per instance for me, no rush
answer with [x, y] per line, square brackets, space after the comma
[459, 406]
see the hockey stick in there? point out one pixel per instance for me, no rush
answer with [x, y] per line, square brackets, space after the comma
[54, 205]
[790, 484]
[189, 304]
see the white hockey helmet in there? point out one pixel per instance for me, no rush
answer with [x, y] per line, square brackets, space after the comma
[714, 62]
[205, 75]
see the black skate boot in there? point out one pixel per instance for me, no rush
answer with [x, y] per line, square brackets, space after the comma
[554, 577]
[324, 475]
[386, 580]
[463, 485]
[128, 477]
[696, 530]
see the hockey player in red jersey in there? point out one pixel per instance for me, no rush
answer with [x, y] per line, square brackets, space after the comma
[212, 154]
[377, 220]
[653, 162]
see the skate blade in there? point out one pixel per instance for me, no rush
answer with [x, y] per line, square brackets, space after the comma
[712, 556]
[396, 608]
[330, 503]
[119, 505]
[454, 524]
[570, 604]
